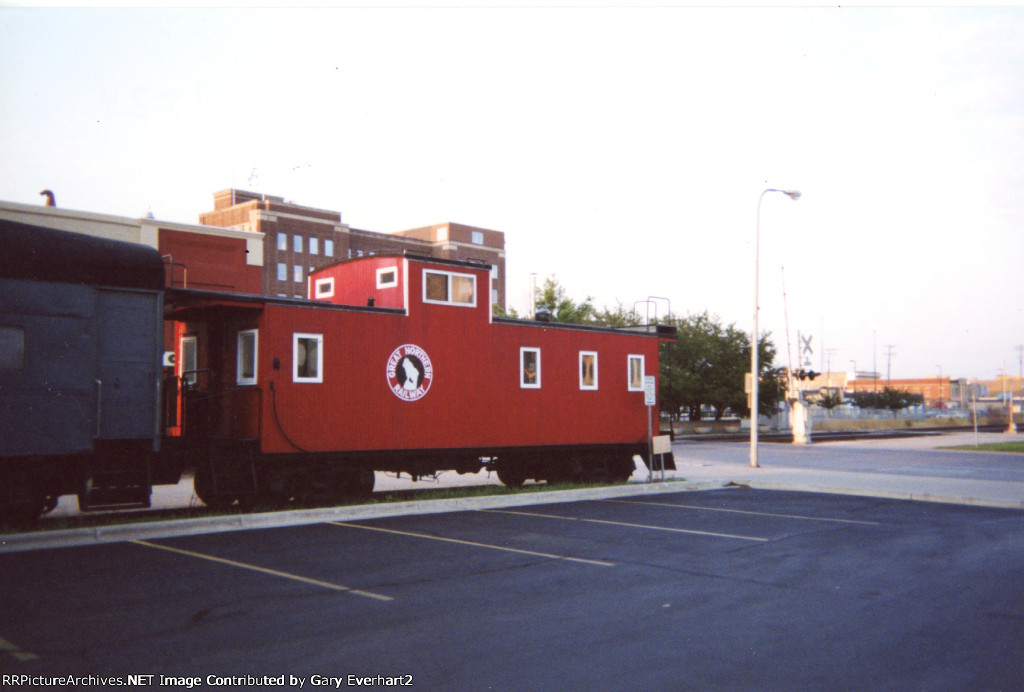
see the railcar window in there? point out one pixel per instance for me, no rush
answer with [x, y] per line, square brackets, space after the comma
[436, 287]
[588, 369]
[529, 368]
[12, 348]
[308, 358]
[450, 289]
[247, 344]
[636, 373]
[189, 360]
[387, 277]
[462, 289]
[325, 287]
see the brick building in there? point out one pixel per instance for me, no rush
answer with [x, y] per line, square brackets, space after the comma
[298, 240]
[938, 392]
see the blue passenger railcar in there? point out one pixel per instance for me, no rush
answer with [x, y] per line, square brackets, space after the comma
[80, 366]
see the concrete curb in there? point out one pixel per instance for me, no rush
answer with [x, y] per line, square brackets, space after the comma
[265, 520]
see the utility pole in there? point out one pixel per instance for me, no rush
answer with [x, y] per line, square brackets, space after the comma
[888, 367]
[828, 353]
[1020, 355]
[1007, 385]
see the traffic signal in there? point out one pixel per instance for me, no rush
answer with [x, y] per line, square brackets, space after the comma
[802, 374]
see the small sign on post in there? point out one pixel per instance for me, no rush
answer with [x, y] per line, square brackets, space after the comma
[650, 398]
[650, 391]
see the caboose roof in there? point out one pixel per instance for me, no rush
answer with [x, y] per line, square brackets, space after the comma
[425, 259]
[178, 301]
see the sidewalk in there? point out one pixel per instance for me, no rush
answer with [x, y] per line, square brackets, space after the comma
[932, 487]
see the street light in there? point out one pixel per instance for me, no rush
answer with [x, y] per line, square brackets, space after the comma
[794, 195]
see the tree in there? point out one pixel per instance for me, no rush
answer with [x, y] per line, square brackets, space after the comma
[892, 399]
[706, 366]
[829, 400]
[554, 296]
[499, 311]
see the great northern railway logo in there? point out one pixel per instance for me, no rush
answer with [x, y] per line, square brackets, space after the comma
[409, 372]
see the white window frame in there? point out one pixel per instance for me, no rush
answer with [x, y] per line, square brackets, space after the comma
[282, 271]
[583, 384]
[297, 243]
[328, 247]
[185, 366]
[477, 237]
[381, 283]
[323, 288]
[282, 241]
[314, 246]
[239, 377]
[297, 274]
[448, 300]
[630, 359]
[318, 378]
[522, 367]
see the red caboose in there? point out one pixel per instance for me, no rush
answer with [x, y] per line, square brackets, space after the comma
[396, 364]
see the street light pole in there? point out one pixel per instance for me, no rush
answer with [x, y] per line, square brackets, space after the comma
[754, 378]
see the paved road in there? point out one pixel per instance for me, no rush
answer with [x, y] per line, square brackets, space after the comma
[923, 456]
[725, 589]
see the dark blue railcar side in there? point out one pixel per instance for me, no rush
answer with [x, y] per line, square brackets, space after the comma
[81, 333]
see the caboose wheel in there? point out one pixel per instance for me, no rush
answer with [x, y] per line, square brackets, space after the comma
[206, 489]
[21, 503]
[511, 475]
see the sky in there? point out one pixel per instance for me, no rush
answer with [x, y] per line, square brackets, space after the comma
[622, 149]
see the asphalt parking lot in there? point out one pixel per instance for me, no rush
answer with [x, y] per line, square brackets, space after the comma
[722, 589]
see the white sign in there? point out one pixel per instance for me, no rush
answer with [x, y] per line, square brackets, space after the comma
[650, 390]
[662, 444]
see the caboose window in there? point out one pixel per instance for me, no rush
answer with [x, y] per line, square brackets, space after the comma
[436, 287]
[636, 373]
[449, 289]
[387, 277]
[529, 368]
[12, 348]
[324, 288]
[588, 369]
[308, 358]
[189, 359]
[246, 373]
